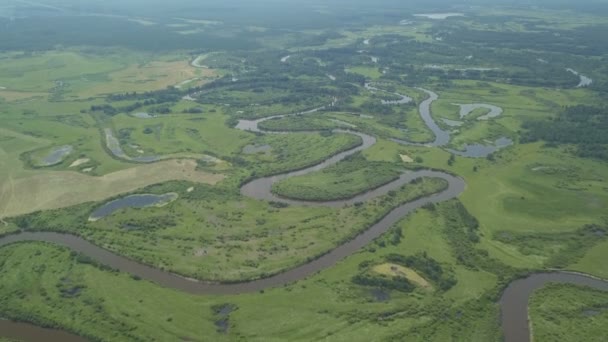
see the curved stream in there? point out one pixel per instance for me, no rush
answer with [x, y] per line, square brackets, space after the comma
[513, 302]
[441, 137]
[261, 189]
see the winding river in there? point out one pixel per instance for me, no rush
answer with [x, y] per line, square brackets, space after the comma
[441, 137]
[513, 302]
[31, 333]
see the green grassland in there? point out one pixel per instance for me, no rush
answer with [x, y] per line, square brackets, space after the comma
[542, 190]
[213, 233]
[518, 104]
[527, 207]
[329, 305]
[343, 180]
[368, 72]
[180, 133]
[364, 113]
[83, 73]
[297, 151]
[569, 313]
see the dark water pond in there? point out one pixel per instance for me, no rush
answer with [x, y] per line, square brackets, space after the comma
[482, 151]
[57, 155]
[114, 146]
[133, 201]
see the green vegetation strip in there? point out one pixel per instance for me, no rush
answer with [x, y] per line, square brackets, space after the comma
[352, 176]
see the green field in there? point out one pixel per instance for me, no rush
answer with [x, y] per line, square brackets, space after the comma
[173, 85]
[568, 313]
[343, 180]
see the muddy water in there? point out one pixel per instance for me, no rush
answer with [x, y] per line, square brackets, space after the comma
[252, 125]
[166, 279]
[514, 301]
[441, 137]
[404, 99]
[261, 189]
[31, 333]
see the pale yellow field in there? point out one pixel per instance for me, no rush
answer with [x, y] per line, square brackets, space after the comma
[38, 190]
[9, 95]
[23, 191]
[147, 77]
[392, 270]
[406, 159]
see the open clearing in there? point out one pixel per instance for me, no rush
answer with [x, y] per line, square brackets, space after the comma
[40, 190]
[79, 162]
[394, 270]
[151, 76]
[406, 159]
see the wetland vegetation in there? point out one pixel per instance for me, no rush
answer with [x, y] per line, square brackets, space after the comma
[352, 170]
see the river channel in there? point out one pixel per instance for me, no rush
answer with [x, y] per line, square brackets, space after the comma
[514, 302]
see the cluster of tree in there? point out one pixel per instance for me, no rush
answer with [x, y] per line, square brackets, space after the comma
[169, 94]
[509, 65]
[392, 283]
[585, 40]
[429, 267]
[304, 39]
[105, 108]
[194, 110]
[461, 235]
[560, 249]
[150, 223]
[582, 126]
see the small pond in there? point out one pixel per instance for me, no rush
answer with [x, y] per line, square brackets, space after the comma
[57, 155]
[133, 201]
[466, 109]
[481, 151]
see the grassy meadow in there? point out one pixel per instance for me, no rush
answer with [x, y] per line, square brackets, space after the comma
[568, 313]
[436, 275]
